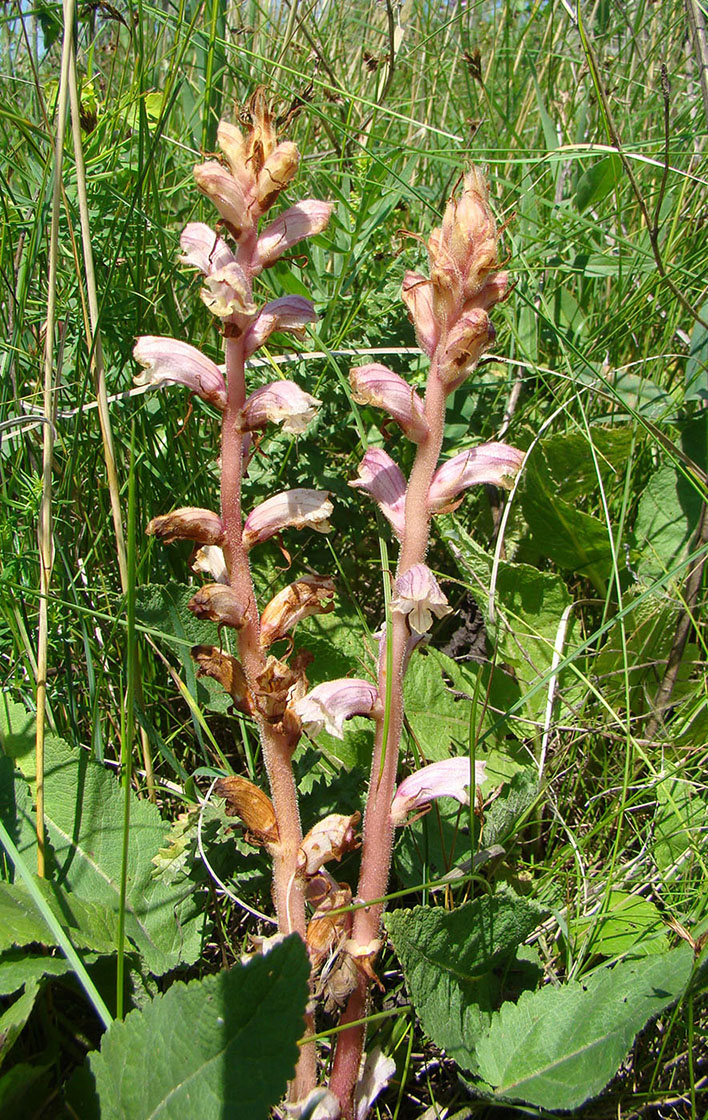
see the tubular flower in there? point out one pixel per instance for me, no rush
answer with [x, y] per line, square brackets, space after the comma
[233, 201]
[289, 313]
[252, 806]
[418, 295]
[449, 778]
[467, 340]
[328, 705]
[494, 463]
[217, 602]
[168, 361]
[277, 171]
[305, 219]
[210, 561]
[225, 669]
[330, 838]
[292, 509]
[306, 596]
[202, 248]
[376, 384]
[418, 596]
[384, 481]
[227, 294]
[188, 524]
[280, 401]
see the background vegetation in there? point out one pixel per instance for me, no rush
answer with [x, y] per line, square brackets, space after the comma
[587, 691]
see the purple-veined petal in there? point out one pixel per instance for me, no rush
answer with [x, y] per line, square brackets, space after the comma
[328, 705]
[227, 294]
[417, 295]
[384, 481]
[292, 509]
[289, 313]
[418, 596]
[305, 219]
[168, 361]
[280, 401]
[449, 778]
[376, 384]
[202, 248]
[494, 463]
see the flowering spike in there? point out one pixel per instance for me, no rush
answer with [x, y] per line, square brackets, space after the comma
[280, 401]
[188, 524]
[449, 778]
[376, 384]
[168, 361]
[292, 509]
[328, 705]
[305, 219]
[306, 596]
[418, 596]
[289, 313]
[494, 463]
[384, 481]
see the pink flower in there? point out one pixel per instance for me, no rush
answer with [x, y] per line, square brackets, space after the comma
[305, 219]
[494, 463]
[228, 194]
[384, 481]
[280, 401]
[376, 384]
[467, 340]
[289, 313]
[418, 596]
[202, 248]
[449, 778]
[292, 509]
[418, 294]
[168, 361]
[328, 705]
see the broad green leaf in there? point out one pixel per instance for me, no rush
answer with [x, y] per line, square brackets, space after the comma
[89, 925]
[21, 1087]
[457, 963]
[573, 467]
[558, 1047]
[15, 812]
[668, 513]
[648, 633]
[221, 1048]
[14, 1018]
[437, 720]
[597, 181]
[19, 968]
[629, 923]
[84, 821]
[679, 823]
[697, 364]
[573, 539]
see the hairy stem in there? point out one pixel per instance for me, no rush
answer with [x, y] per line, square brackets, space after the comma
[378, 831]
[277, 750]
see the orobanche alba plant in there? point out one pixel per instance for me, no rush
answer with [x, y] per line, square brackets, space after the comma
[450, 311]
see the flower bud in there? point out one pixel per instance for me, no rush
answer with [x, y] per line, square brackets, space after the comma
[293, 509]
[225, 669]
[217, 602]
[467, 340]
[493, 463]
[418, 297]
[252, 806]
[168, 361]
[418, 596]
[449, 778]
[278, 170]
[289, 313]
[188, 524]
[306, 596]
[330, 838]
[328, 705]
[280, 401]
[228, 195]
[305, 219]
[384, 481]
[376, 384]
